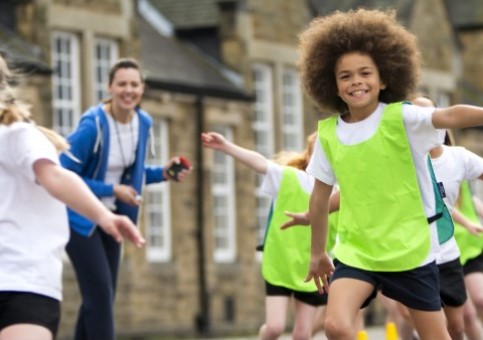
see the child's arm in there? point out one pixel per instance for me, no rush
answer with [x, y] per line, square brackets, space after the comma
[459, 218]
[321, 267]
[478, 206]
[252, 159]
[69, 188]
[458, 117]
[303, 218]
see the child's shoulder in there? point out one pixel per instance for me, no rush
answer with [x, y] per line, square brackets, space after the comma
[20, 127]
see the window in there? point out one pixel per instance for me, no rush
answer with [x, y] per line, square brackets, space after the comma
[223, 194]
[263, 129]
[105, 54]
[157, 203]
[65, 81]
[443, 99]
[292, 130]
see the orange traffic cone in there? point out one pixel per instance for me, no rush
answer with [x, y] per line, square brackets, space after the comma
[391, 331]
[362, 335]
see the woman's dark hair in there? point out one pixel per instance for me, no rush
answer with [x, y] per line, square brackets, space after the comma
[124, 63]
[372, 32]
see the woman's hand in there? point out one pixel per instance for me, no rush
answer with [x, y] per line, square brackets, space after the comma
[127, 194]
[182, 174]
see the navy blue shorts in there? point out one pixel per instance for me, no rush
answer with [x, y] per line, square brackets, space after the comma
[452, 281]
[416, 289]
[310, 298]
[30, 308]
[475, 265]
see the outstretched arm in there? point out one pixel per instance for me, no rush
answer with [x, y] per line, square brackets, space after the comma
[478, 206]
[69, 188]
[251, 159]
[459, 218]
[458, 117]
[303, 218]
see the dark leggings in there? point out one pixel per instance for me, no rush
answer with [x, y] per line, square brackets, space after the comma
[96, 263]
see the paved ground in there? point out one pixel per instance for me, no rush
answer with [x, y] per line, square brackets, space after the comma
[373, 333]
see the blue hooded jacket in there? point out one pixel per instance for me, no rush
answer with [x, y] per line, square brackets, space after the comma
[89, 143]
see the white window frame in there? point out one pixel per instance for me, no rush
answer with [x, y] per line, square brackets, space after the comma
[158, 233]
[263, 86]
[292, 128]
[109, 53]
[66, 79]
[226, 192]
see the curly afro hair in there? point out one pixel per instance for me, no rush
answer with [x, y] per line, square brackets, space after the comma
[372, 32]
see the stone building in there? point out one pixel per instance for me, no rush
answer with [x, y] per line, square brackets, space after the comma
[224, 65]
[468, 24]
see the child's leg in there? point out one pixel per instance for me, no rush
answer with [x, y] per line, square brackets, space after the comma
[360, 323]
[25, 332]
[455, 322]
[304, 320]
[275, 317]
[346, 296]
[319, 320]
[430, 325]
[398, 314]
[473, 329]
[453, 295]
[474, 282]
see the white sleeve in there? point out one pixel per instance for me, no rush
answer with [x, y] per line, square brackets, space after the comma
[272, 179]
[473, 164]
[319, 167]
[421, 133]
[28, 145]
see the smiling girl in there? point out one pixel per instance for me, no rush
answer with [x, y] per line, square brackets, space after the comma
[362, 65]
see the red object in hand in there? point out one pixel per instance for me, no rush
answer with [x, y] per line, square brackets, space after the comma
[176, 168]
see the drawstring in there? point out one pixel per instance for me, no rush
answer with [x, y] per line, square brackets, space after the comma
[98, 137]
[151, 143]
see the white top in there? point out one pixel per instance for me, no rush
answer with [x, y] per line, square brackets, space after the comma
[272, 179]
[128, 138]
[34, 226]
[422, 137]
[455, 165]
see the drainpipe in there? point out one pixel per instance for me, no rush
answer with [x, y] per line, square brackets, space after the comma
[203, 325]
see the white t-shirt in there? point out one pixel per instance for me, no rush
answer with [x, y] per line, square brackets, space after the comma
[122, 151]
[33, 224]
[455, 165]
[272, 179]
[422, 137]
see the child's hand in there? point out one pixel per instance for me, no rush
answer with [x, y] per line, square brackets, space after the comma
[320, 270]
[475, 229]
[297, 219]
[213, 140]
[120, 227]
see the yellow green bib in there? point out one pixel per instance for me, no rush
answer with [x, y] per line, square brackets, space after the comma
[382, 224]
[470, 245]
[286, 253]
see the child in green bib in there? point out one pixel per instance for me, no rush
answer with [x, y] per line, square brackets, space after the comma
[362, 65]
[286, 254]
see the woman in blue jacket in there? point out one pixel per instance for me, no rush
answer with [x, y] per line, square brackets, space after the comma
[109, 148]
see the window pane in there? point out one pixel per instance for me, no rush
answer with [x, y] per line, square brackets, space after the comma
[65, 81]
[156, 202]
[223, 198]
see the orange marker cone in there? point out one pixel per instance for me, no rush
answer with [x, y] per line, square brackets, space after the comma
[362, 335]
[391, 331]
